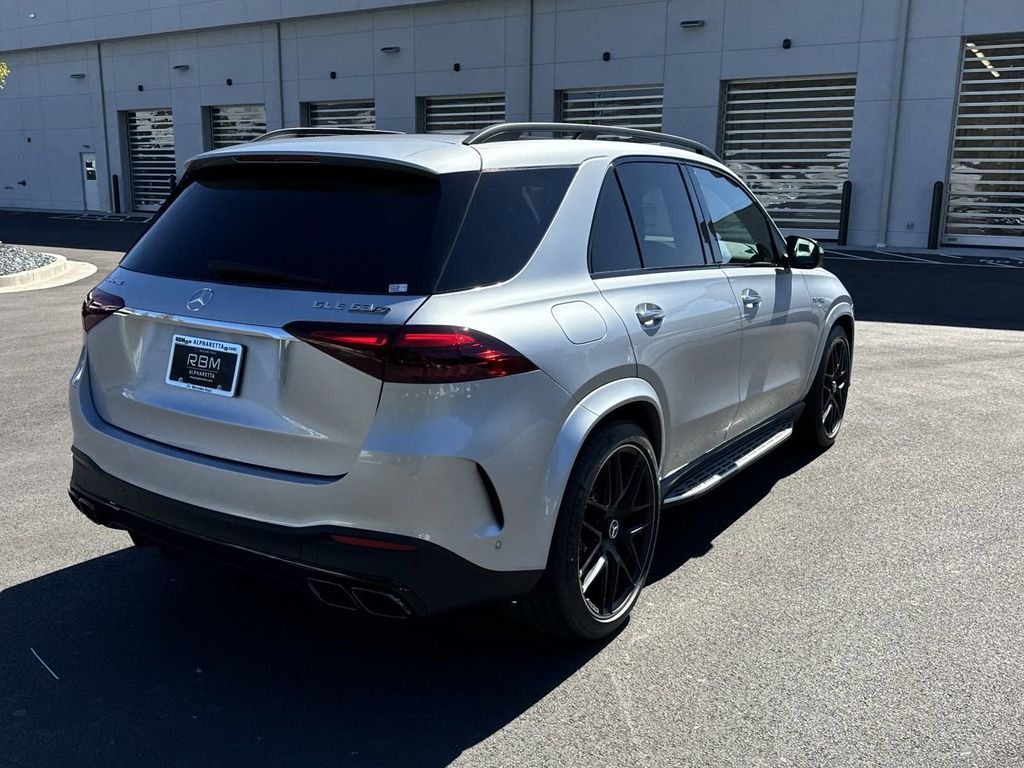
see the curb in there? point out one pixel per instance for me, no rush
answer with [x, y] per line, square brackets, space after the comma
[45, 272]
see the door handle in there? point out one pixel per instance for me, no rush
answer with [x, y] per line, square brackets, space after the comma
[649, 315]
[750, 298]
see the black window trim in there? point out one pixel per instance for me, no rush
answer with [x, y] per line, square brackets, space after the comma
[778, 241]
[695, 206]
[590, 241]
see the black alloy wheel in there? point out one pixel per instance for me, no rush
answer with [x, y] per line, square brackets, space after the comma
[604, 537]
[825, 406]
[617, 533]
[835, 383]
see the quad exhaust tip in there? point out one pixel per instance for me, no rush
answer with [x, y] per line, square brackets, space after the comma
[376, 602]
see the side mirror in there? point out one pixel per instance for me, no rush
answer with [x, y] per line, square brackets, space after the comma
[804, 253]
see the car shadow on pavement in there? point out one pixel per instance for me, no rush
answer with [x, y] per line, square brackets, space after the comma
[933, 294]
[688, 530]
[186, 663]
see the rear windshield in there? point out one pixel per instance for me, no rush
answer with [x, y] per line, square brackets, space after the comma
[351, 229]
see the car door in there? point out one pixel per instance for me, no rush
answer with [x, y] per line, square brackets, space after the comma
[650, 264]
[779, 326]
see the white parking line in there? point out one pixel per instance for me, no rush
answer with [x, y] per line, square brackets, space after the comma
[841, 255]
[903, 258]
[907, 256]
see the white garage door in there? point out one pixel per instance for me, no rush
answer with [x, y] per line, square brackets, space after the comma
[236, 124]
[343, 114]
[150, 156]
[462, 114]
[790, 141]
[986, 176]
[638, 107]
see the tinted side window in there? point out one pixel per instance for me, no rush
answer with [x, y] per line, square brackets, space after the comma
[738, 225]
[612, 243]
[662, 215]
[508, 216]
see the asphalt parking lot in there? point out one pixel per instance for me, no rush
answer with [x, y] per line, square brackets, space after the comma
[856, 608]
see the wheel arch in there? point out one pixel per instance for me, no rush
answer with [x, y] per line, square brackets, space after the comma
[629, 399]
[847, 324]
[841, 315]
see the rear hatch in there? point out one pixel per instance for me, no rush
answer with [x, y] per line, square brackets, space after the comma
[198, 358]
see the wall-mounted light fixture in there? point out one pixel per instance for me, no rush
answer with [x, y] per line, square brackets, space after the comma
[182, 67]
[78, 75]
[391, 49]
[692, 24]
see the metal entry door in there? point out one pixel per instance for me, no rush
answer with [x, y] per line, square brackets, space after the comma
[790, 141]
[90, 181]
[985, 205]
[236, 124]
[150, 156]
[462, 114]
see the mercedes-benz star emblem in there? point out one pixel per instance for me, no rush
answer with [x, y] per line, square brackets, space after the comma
[199, 299]
[613, 529]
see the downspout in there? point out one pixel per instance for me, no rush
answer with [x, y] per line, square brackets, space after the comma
[280, 77]
[106, 136]
[529, 67]
[894, 124]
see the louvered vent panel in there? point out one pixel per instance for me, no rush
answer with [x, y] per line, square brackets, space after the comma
[462, 114]
[150, 156]
[790, 141]
[985, 204]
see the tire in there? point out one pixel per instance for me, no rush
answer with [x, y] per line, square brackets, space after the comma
[604, 538]
[825, 406]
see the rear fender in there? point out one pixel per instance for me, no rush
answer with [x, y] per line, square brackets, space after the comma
[591, 410]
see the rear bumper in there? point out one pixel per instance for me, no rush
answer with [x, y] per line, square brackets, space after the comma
[426, 580]
[466, 470]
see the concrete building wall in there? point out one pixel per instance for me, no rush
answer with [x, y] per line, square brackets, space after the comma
[281, 52]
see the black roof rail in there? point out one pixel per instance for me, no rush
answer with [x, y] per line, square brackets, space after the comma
[515, 131]
[327, 130]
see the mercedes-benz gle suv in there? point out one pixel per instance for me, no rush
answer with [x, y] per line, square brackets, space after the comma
[413, 372]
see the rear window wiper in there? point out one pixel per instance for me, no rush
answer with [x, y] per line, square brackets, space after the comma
[258, 272]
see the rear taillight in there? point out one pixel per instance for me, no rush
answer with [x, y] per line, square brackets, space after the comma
[98, 305]
[428, 354]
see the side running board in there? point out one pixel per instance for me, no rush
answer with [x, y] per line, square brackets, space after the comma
[718, 467]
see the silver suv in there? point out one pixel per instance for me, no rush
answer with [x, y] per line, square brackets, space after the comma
[412, 372]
